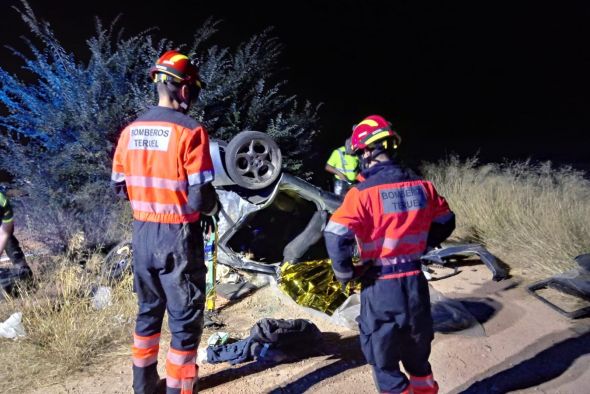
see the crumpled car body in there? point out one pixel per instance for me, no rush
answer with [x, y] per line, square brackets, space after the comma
[575, 282]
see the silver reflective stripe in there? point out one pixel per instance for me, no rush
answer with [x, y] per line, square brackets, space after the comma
[392, 243]
[145, 362]
[173, 383]
[338, 229]
[146, 343]
[181, 359]
[155, 207]
[117, 177]
[443, 218]
[200, 178]
[343, 163]
[159, 183]
[385, 261]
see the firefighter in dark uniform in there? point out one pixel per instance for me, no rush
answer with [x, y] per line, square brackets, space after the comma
[8, 241]
[393, 215]
[162, 163]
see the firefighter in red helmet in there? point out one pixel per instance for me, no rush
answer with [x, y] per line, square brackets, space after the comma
[393, 216]
[163, 166]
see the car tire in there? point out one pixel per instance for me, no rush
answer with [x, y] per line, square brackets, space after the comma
[253, 160]
[118, 262]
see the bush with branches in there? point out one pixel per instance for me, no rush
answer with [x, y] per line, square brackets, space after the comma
[58, 131]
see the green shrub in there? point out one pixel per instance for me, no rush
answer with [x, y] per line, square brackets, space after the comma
[58, 131]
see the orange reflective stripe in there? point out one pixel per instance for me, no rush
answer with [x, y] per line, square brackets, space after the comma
[165, 218]
[145, 361]
[424, 384]
[181, 364]
[142, 357]
[159, 208]
[422, 380]
[187, 371]
[163, 196]
[400, 275]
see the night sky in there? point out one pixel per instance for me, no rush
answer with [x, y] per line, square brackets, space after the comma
[502, 80]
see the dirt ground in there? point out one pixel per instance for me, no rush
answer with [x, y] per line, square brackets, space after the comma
[527, 347]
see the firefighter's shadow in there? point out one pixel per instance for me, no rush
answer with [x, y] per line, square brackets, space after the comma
[542, 367]
[341, 354]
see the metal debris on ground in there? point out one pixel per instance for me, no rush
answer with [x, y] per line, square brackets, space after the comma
[573, 288]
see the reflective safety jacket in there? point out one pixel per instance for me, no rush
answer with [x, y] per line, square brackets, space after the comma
[159, 156]
[6, 215]
[393, 215]
[346, 164]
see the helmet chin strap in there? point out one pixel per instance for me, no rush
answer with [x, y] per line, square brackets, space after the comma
[386, 147]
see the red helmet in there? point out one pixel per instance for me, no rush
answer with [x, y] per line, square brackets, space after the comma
[372, 129]
[178, 66]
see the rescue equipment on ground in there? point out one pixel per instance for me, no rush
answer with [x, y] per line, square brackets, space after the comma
[211, 264]
[313, 284]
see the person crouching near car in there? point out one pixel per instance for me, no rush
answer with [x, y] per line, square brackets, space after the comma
[163, 165]
[393, 215]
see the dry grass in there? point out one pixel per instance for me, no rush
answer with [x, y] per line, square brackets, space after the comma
[64, 331]
[534, 217]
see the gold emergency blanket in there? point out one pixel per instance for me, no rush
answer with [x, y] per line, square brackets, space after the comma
[312, 284]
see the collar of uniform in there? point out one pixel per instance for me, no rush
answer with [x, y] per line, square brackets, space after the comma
[369, 172]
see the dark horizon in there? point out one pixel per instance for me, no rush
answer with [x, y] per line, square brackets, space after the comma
[501, 81]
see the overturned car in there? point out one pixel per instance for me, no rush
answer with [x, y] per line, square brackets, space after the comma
[268, 216]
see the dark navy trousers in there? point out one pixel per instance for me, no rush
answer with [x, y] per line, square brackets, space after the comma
[169, 275]
[396, 325]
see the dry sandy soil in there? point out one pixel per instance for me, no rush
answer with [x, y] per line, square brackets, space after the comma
[526, 347]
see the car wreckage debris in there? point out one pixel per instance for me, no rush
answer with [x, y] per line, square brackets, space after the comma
[441, 256]
[575, 282]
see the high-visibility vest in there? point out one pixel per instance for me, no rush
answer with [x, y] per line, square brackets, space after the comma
[6, 215]
[346, 164]
[159, 156]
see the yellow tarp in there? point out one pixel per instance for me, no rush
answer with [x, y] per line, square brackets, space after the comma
[312, 284]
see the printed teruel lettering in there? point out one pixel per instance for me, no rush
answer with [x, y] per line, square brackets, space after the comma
[403, 199]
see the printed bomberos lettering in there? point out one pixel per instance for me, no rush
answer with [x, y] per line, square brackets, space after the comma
[403, 199]
[149, 138]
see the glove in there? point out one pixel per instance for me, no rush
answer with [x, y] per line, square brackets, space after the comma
[208, 223]
[343, 284]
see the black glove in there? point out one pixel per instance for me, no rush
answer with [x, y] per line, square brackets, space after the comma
[343, 284]
[208, 223]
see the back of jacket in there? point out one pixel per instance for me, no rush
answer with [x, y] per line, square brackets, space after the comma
[390, 215]
[159, 156]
